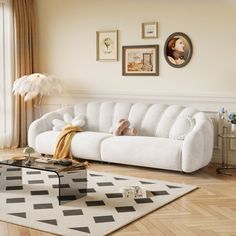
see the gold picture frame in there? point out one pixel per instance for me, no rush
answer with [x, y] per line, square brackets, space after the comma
[140, 60]
[107, 45]
[149, 30]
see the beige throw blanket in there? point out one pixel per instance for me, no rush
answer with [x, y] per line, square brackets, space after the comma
[63, 150]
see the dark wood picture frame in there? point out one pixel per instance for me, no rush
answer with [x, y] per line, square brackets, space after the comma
[178, 57]
[140, 60]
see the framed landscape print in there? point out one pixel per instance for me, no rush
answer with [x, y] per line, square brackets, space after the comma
[107, 45]
[149, 30]
[178, 50]
[140, 60]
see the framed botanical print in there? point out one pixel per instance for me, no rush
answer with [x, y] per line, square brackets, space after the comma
[140, 60]
[107, 45]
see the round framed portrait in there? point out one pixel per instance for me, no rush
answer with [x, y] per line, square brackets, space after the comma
[178, 50]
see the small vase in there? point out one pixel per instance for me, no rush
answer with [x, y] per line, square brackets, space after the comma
[233, 129]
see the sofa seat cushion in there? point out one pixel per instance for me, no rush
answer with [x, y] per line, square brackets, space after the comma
[84, 144]
[143, 151]
[87, 145]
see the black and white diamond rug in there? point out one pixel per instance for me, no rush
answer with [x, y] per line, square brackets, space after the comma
[103, 210]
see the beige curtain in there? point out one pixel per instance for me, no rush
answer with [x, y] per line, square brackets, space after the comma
[25, 63]
[6, 74]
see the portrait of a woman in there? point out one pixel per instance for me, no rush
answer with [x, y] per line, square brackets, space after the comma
[178, 49]
[175, 51]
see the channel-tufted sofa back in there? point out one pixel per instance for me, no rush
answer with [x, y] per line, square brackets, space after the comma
[149, 119]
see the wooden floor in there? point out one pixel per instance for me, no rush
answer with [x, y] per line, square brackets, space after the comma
[209, 210]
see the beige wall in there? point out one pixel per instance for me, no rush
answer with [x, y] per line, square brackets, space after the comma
[67, 44]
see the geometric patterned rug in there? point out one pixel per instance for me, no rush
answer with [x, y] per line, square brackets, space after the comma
[102, 211]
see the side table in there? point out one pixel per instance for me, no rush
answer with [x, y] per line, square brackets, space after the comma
[225, 138]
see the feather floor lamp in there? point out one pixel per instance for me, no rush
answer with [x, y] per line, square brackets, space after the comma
[34, 85]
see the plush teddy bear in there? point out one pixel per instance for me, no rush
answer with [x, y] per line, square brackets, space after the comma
[59, 125]
[122, 128]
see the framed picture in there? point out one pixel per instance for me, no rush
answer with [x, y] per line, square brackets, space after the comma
[140, 60]
[149, 30]
[178, 50]
[107, 45]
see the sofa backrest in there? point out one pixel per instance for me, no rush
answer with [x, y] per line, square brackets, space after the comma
[149, 119]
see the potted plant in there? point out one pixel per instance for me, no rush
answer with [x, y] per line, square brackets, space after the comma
[229, 120]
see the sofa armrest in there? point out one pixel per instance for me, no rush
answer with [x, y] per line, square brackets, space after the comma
[41, 125]
[198, 145]
[44, 123]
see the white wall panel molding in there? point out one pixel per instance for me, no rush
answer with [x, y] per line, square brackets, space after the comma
[208, 102]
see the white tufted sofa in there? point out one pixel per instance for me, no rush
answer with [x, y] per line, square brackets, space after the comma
[166, 139]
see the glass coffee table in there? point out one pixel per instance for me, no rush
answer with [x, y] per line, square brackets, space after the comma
[71, 178]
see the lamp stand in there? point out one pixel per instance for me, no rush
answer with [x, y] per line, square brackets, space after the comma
[37, 105]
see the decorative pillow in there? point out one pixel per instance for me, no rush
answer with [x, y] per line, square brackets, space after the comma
[123, 128]
[182, 127]
[59, 125]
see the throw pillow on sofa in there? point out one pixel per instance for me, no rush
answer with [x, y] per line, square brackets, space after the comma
[59, 125]
[182, 127]
[123, 128]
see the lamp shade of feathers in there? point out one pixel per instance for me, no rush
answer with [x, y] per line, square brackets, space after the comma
[30, 86]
